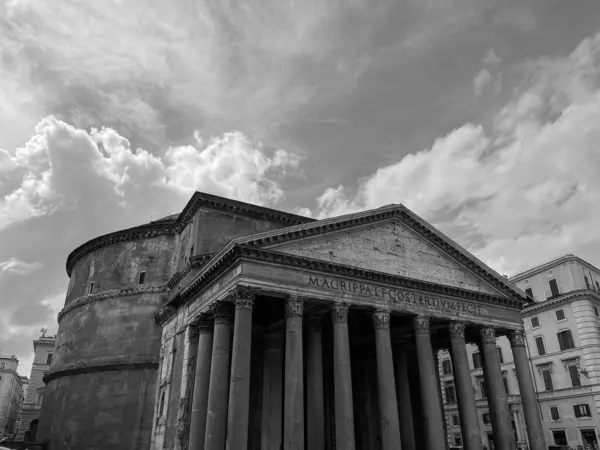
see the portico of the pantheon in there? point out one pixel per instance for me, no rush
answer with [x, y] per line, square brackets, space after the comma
[324, 335]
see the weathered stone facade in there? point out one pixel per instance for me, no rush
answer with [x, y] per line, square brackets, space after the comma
[101, 386]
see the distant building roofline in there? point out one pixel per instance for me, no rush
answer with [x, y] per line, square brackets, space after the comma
[548, 264]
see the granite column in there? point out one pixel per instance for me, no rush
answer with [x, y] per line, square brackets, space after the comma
[497, 400]
[388, 406]
[469, 420]
[344, 408]
[239, 386]
[432, 411]
[531, 411]
[293, 416]
[407, 431]
[201, 383]
[216, 420]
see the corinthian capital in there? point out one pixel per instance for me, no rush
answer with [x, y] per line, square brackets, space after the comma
[457, 330]
[488, 335]
[243, 297]
[421, 324]
[294, 307]
[517, 338]
[222, 312]
[381, 320]
[339, 313]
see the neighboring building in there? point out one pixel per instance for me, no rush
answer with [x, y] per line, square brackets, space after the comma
[43, 351]
[359, 282]
[22, 397]
[10, 393]
[563, 340]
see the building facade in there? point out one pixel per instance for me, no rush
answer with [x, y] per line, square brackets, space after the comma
[10, 392]
[43, 352]
[563, 340]
[275, 331]
[23, 396]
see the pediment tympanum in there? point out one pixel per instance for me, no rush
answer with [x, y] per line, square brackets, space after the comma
[390, 247]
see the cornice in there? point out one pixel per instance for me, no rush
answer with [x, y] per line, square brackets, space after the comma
[104, 367]
[195, 263]
[175, 226]
[88, 299]
[560, 300]
[145, 231]
[436, 238]
[237, 253]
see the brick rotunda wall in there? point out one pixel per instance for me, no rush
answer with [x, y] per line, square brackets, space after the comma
[100, 388]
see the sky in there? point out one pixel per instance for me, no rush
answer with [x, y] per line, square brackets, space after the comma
[482, 116]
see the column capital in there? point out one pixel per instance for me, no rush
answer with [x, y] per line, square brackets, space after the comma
[202, 323]
[222, 312]
[457, 330]
[339, 313]
[314, 323]
[517, 338]
[294, 307]
[243, 297]
[421, 324]
[381, 319]
[488, 335]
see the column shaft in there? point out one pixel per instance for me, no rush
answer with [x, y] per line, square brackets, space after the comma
[469, 421]
[344, 408]
[201, 383]
[216, 420]
[531, 411]
[272, 392]
[388, 406]
[239, 386]
[293, 421]
[497, 400]
[315, 403]
[407, 432]
[432, 412]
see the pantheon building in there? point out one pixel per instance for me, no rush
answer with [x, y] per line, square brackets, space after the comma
[238, 327]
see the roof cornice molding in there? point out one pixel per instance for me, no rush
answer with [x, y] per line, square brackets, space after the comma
[161, 227]
[550, 264]
[237, 253]
[560, 300]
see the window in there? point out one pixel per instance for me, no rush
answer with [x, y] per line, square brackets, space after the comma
[481, 383]
[447, 367]
[560, 315]
[2, 365]
[565, 340]
[505, 381]
[582, 410]
[455, 421]
[458, 440]
[486, 418]
[574, 374]
[0, 377]
[162, 405]
[40, 398]
[529, 293]
[49, 358]
[450, 392]
[554, 288]
[547, 377]
[587, 282]
[91, 291]
[141, 277]
[596, 313]
[554, 415]
[477, 360]
[535, 322]
[539, 343]
[500, 357]
[560, 437]
[597, 286]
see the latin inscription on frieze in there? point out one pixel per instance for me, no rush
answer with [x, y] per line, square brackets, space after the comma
[398, 297]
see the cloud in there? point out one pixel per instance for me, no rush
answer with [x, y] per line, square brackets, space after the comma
[489, 75]
[67, 185]
[491, 58]
[523, 191]
[481, 81]
[17, 267]
[159, 71]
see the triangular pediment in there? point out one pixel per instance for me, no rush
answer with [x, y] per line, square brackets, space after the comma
[389, 247]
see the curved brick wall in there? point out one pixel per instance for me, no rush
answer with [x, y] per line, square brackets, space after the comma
[100, 388]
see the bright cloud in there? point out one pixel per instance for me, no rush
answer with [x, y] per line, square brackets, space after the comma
[519, 193]
[17, 267]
